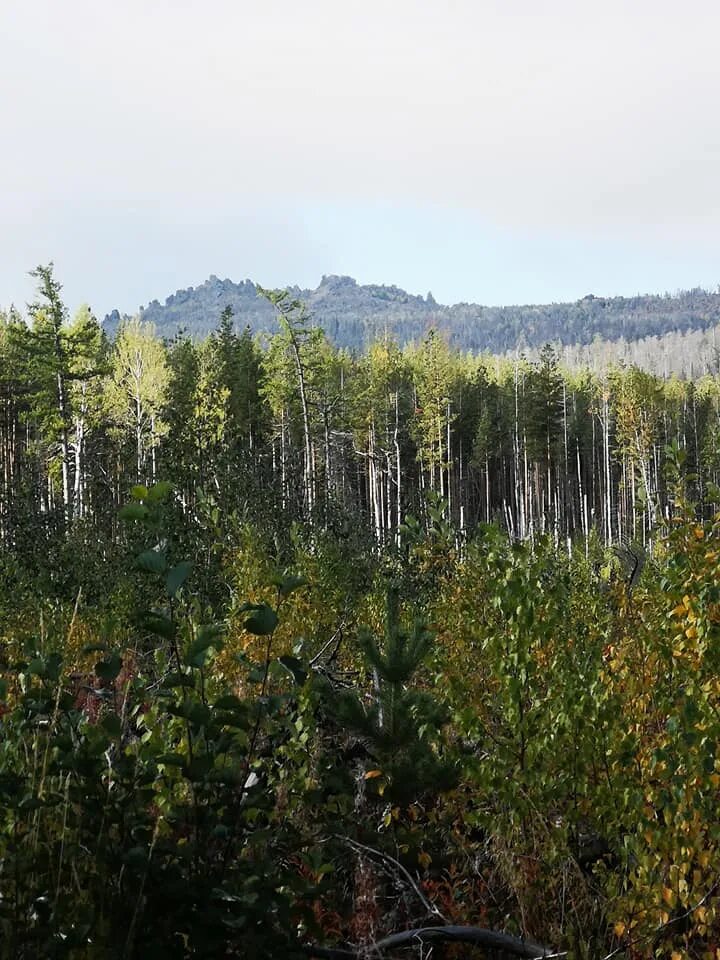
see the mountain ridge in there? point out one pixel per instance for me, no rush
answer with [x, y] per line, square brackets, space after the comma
[353, 315]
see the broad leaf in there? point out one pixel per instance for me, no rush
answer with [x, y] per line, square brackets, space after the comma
[262, 621]
[177, 577]
[158, 624]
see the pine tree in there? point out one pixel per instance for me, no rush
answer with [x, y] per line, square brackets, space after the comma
[59, 360]
[18, 487]
[182, 464]
[294, 378]
[402, 725]
[48, 358]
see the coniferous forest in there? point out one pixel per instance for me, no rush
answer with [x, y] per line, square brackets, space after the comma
[315, 653]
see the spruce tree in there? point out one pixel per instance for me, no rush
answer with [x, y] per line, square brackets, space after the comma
[401, 725]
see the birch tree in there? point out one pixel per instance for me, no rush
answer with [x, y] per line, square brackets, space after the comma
[136, 392]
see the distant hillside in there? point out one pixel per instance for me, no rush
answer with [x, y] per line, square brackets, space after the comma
[354, 315]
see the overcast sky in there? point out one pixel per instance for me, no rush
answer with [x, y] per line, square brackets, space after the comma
[500, 151]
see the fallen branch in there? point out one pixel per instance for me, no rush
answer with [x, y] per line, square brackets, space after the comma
[336, 638]
[477, 936]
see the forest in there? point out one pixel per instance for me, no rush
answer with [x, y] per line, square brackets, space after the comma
[313, 653]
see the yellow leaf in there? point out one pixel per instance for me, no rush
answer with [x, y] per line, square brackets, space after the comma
[691, 633]
[619, 929]
[424, 859]
[679, 610]
[371, 774]
[668, 896]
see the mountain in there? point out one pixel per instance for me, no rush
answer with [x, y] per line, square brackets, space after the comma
[354, 315]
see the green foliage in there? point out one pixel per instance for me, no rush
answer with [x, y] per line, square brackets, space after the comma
[143, 824]
[143, 804]
[555, 729]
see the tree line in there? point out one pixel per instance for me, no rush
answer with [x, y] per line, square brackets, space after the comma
[293, 426]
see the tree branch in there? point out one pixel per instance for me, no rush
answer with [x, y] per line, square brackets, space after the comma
[477, 936]
[381, 855]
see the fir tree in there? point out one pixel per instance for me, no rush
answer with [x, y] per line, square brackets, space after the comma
[401, 725]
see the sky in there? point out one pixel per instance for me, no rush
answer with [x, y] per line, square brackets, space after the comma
[495, 151]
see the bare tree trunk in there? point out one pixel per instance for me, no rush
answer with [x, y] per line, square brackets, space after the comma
[398, 476]
[64, 445]
[309, 475]
[79, 492]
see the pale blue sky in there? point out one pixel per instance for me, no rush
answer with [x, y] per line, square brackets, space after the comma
[500, 151]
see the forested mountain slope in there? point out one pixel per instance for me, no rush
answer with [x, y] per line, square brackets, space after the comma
[688, 354]
[355, 315]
